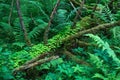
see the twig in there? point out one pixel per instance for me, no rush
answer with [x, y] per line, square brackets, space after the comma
[77, 12]
[22, 24]
[45, 37]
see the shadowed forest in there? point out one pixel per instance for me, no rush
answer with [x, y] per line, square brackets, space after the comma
[59, 39]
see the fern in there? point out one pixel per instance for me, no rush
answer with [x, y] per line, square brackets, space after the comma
[105, 13]
[37, 30]
[105, 47]
[6, 27]
[96, 61]
[71, 14]
[117, 15]
[108, 14]
[116, 32]
[37, 4]
[17, 31]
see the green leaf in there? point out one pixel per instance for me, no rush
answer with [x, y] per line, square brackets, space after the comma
[100, 76]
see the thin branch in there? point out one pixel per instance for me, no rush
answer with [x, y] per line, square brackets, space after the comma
[74, 58]
[10, 14]
[37, 58]
[22, 24]
[45, 37]
[78, 13]
[92, 30]
[74, 1]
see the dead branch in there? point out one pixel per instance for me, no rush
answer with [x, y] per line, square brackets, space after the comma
[37, 58]
[74, 58]
[39, 62]
[22, 24]
[92, 30]
[45, 37]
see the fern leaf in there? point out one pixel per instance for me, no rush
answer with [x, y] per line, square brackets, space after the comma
[96, 60]
[105, 46]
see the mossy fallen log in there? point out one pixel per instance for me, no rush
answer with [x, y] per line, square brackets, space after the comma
[56, 42]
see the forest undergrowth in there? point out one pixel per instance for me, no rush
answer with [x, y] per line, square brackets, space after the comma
[60, 40]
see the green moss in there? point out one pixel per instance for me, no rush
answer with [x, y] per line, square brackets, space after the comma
[19, 58]
[85, 22]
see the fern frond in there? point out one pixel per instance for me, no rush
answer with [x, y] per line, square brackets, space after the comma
[105, 47]
[96, 60]
[36, 31]
[37, 4]
[72, 13]
[5, 26]
[116, 32]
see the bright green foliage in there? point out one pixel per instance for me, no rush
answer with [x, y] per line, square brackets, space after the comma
[103, 57]
[116, 32]
[53, 43]
[96, 61]
[5, 73]
[99, 69]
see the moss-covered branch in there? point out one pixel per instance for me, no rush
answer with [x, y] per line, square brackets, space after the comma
[74, 58]
[39, 62]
